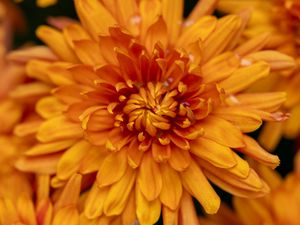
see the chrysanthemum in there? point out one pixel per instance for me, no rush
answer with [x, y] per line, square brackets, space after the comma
[152, 103]
[280, 207]
[281, 19]
[42, 211]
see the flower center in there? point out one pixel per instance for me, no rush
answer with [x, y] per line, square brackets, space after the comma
[151, 109]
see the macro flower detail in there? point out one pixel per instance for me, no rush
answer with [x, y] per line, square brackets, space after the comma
[152, 105]
[266, 210]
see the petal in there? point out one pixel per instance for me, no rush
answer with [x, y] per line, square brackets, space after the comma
[256, 152]
[222, 132]
[94, 16]
[56, 41]
[118, 194]
[214, 153]
[88, 52]
[172, 12]
[277, 60]
[112, 169]
[70, 160]
[202, 8]
[198, 31]
[244, 77]
[66, 216]
[227, 27]
[198, 186]
[149, 178]
[58, 128]
[156, 33]
[219, 67]
[129, 213]
[75, 32]
[187, 211]
[171, 187]
[147, 212]
[243, 118]
[270, 135]
[39, 164]
[170, 217]
[93, 207]
[180, 159]
[51, 147]
[49, 107]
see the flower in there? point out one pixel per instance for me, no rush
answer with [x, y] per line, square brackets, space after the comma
[280, 19]
[23, 210]
[279, 207]
[152, 105]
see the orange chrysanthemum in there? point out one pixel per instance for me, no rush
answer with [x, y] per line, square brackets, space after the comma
[280, 18]
[152, 103]
[280, 207]
[23, 210]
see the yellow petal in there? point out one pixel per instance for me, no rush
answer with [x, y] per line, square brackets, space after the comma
[219, 67]
[49, 107]
[227, 27]
[187, 211]
[70, 161]
[198, 186]
[270, 135]
[216, 154]
[149, 173]
[171, 187]
[94, 16]
[180, 159]
[147, 212]
[244, 77]
[93, 159]
[129, 213]
[277, 60]
[88, 52]
[222, 132]
[58, 128]
[95, 200]
[26, 210]
[75, 32]
[172, 12]
[112, 169]
[256, 152]
[198, 31]
[170, 217]
[243, 118]
[66, 216]
[118, 194]
[51, 147]
[56, 41]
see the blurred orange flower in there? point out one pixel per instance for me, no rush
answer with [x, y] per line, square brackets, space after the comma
[280, 18]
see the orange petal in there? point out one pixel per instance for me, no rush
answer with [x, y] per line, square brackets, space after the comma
[75, 32]
[70, 160]
[244, 77]
[241, 117]
[256, 152]
[180, 159]
[129, 213]
[51, 147]
[112, 169]
[198, 186]
[277, 60]
[49, 107]
[170, 217]
[222, 132]
[66, 216]
[56, 41]
[171, 187]
[214, 153]
[227, 27]
[187, 211]
[204, 7]
[172, 12]
[94, 16]
[118, 194]
[58, 128]
[149, 173]
[147, 212]
[156, 33]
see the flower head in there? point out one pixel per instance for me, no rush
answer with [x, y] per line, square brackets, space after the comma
[152, 105]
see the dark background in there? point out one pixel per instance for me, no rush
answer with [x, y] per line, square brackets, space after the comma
[37, 16]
